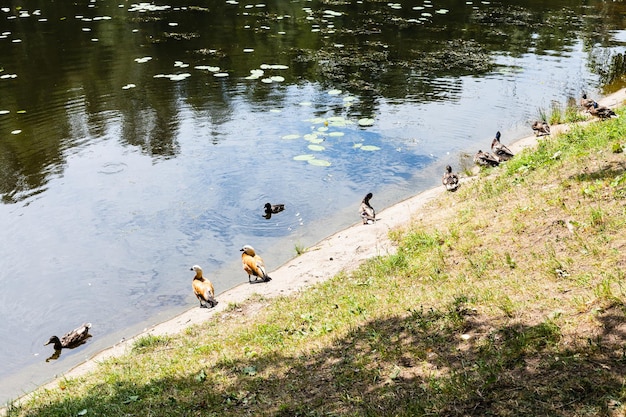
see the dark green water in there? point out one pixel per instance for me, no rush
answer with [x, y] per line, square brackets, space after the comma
[133, 143]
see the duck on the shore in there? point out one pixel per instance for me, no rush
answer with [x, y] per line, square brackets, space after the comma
[450, 180]
[72, 339]
[367, 212]
[253, 264]
[585, 102]
[500, 151]
[602, 112]
[203, 289]
[485, 158]
[541, 128]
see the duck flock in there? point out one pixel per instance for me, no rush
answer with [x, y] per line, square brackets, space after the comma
[254, 265]
[500, 153]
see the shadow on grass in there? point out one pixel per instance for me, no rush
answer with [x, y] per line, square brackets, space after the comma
[449, 362]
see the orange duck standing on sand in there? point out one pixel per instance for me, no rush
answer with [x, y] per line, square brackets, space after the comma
[203, 289]
[253, 264]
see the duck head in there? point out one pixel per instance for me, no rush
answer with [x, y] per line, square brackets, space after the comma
[197, 270]
[248, 250]
[449, 169]
[55, 341]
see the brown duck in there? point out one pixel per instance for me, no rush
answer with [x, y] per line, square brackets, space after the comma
[367, 212]
[72, 339]
[499, 150]
[450, 180]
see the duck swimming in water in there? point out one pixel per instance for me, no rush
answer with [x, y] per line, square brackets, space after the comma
[499, 150]
[253, 264]
[272, 209]
[541, 128]
[367, 212]
[485, 158]
[203, 289]
[72, 339]
[450, 180]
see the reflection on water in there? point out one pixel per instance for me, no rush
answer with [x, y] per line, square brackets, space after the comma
[136, 141]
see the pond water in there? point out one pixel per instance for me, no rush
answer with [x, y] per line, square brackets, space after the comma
[139, 139]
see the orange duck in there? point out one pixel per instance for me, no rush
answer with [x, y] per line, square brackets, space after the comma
[203, 289]
[253, 264]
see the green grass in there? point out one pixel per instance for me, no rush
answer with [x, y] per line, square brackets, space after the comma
[510, 304]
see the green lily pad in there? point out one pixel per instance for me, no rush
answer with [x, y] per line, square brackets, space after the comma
[290, 137]
[336, 134]
[366, 121]
[316, 147]
[319, 162]
[305, 157]
[311, 136]
[370, 148]
[316, 140]
[322, 129]
[357, 145]
[334, 92]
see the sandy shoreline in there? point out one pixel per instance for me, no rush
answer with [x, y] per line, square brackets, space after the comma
[342, 251]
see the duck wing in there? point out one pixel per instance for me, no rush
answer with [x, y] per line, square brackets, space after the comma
[76, 337]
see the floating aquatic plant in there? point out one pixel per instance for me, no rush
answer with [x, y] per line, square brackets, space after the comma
[369, 148]
[128, 86]
[319, 162]
[366, 122]
[305, 157]
[291, 137]
[317, 148]
[207, 68]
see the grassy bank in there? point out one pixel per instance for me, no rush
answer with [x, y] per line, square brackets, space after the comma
[506, 298]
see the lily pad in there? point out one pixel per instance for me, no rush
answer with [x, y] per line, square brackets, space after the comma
[311, 136]
[4, 112]
[319, 162]
[334, 92]
[316, 140]
[277, 78]
[336, 134]
[305, 157]
[366, 121]
[220, 74]
[317, 148]
[290, 137]
[370, 148]
[357, 145]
